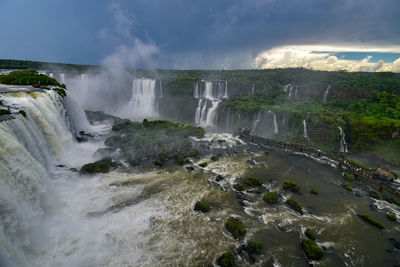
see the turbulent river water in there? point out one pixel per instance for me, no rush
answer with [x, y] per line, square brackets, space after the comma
[52, 216]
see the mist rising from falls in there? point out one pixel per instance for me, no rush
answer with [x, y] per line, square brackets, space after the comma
[210, 95]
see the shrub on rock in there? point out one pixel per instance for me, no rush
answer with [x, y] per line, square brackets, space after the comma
[201, 206]
[101, 166]
[227, 259]
[251, 181]
[310, 234]
[292, 186]
[295, 205]
[271, 198]
[312, 250]
[235, 227]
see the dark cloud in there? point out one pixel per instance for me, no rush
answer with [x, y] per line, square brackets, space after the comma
[188, 33]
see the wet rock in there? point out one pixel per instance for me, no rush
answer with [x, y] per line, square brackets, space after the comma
[201, 206]
[219, 178]
[235, 227]
[227, 259]
[101, 166]
[251, 162]
[395, 243]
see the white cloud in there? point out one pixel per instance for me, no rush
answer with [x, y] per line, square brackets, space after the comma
[321, 57]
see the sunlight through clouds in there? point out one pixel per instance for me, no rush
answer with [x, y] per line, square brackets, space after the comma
[323, 58]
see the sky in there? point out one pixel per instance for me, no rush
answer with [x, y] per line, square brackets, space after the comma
[353, 35]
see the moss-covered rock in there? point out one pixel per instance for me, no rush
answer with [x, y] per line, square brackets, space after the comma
[213, 158]
[271, 198]
[391, 216]
[203, 164]
[396, 201]
[239, 187]
[201, 206]
[159, 163]
[253, 247]
[375, 194]
[235, 227]
[193, 153]
[227, 259]
[310, 234]
[4, 112]
[22, 112]
[349, 177]
[371, 221]
[251, 181]
[348, 187]
[295, 205]
[60, 91]
[314, 191]
[189, 168]
[312, 250]
[292, 186]
[101, 166]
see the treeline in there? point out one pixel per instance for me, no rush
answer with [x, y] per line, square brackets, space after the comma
[13, 64]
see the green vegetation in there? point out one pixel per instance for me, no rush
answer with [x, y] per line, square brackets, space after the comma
[254, 247]
[239, 187]
[189, 168]
[158, 141]
[60, 91]
[314, 191]
[357, 164]
[213, 158]
[376, 194]
[271, 198]
[396, 201]
[4, 112]
[349, 177]
[312, 250]
[371, 221]
[27, 77]
[26, 64]
[292, 186]
[251, 181]
[391, 216]
[101, 166]
[201, 206]
[227, 259]
[295, 205]
[310, 234]
[348, 187]
[235, 227]
[193, 153]
[22, 112]
[203, 164]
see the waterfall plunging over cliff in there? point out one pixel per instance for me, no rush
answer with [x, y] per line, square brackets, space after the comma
[326, 93]
[305, 135]
[210, 95]
[143, 101]
[342, 142]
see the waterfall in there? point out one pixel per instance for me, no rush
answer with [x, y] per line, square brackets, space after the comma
[212, 94]
[276, 129]
[326, 93]
[51, 75]
[290, 90]
[285, 88]
[252, 89]
[29, 149]
[296, 91]
[143, 101]
[227, 120]
[305, 129]
[342, 142]
[196, 93]
[256, 120]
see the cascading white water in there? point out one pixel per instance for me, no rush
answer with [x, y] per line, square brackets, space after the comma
[51, 75]
[252, 89]
[256, 120]
[342, 142]
[205, 113]
[305, 129]
[30, 147]
[326, 93]
[290, 90]
[285, 88]
[143, 102]
[276, 129]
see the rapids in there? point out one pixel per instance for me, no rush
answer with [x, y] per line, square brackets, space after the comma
[52, 216]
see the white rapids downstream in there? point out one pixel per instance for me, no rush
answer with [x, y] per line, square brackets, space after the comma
[52, 216]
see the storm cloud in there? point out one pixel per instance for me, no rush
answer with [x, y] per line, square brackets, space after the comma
[191, 34]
